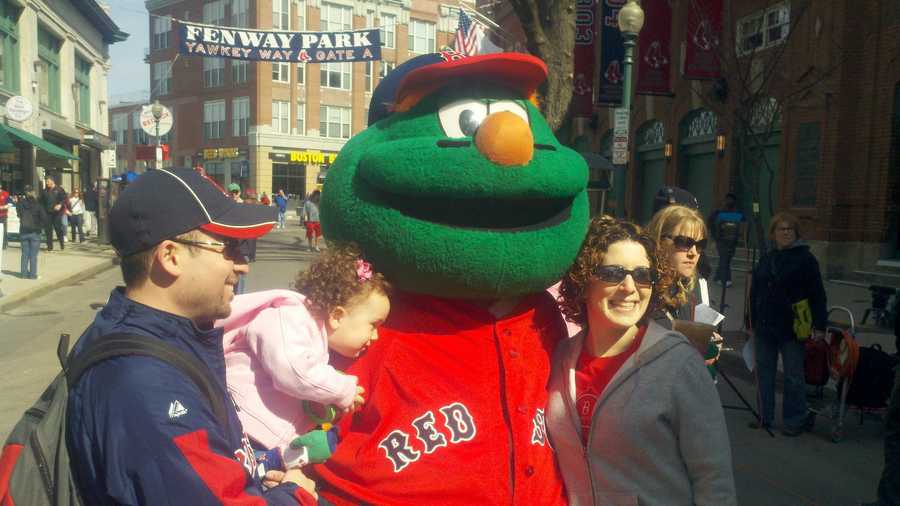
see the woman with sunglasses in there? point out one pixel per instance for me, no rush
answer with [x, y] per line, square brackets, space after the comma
[680, 234]
[632, 413]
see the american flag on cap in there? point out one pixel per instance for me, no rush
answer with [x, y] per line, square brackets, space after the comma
[468, 35]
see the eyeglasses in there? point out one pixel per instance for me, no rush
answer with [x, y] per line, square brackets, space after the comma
[685, 243]
[230, 247]
[785, 229]
[643, 276]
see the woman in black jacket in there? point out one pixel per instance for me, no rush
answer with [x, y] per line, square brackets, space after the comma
[32, 220]
[786, 277]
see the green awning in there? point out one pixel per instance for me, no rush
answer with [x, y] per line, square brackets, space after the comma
[45, 146]
[6, 145]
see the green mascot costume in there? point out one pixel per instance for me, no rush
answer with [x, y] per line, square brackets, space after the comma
[462, 196]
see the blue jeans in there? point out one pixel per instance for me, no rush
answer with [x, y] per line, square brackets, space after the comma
[281, 218]
[31, 245]
[239, 289]
[792, 356]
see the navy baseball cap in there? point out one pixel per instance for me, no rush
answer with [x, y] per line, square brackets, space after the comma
[162, 204]
[428, 72]
[669, 195]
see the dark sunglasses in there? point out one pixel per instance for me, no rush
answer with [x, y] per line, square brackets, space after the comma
[231, 248]
[644, 276]
[684, 243]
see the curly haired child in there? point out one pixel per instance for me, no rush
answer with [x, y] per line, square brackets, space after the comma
[277, 344]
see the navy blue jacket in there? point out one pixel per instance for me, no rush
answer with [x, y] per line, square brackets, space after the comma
[780, 279]
[141, 432]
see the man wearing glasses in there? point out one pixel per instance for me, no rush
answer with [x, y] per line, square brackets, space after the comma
[139, 431]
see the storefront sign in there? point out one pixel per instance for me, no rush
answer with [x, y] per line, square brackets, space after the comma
[620, 137]
[220, 153]
[18, 108]
[312, 157]
[655, 49]
[278, 45]
[149, 121]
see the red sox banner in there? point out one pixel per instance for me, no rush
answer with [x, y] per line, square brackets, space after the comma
[585, 37]
[654, 60]
[612, 52]
[704, 28]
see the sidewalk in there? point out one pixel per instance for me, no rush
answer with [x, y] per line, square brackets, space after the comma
[56, 268]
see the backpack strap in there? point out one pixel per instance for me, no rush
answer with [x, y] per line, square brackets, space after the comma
[123, 344]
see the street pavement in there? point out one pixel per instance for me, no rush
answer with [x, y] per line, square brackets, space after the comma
[808, 470]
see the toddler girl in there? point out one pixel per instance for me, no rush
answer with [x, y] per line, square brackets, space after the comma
[277, 345]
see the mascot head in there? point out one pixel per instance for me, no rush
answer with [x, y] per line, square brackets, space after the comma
[458, 188]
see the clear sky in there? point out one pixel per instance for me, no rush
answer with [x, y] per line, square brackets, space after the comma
[129, 75]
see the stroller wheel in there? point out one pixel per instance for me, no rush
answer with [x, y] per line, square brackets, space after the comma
[837, 435]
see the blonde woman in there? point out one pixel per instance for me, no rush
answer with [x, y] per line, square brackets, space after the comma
[681, 236]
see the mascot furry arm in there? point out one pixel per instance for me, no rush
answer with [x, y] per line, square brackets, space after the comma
[460, 193]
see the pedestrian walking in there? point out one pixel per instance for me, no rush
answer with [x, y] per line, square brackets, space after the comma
[154, 438]
[32, 220]
[5, 203]
[91, 205]
[76, 216]
[787, 306]
[672, 446]
[726, 225]
[310, 220]
[53, 198]
[282, 202]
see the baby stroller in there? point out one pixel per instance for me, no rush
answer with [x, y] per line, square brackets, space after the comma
[839, 355]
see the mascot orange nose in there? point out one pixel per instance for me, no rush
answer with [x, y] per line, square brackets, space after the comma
[505, 139]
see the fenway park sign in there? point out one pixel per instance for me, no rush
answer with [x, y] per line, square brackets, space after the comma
[278, 46]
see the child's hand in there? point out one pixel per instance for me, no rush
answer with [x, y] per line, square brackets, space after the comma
[358, 400]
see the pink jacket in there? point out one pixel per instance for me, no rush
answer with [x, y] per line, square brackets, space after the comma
[276, 355]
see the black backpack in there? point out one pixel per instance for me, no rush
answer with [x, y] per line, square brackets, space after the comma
[873, 378]
[35, 470]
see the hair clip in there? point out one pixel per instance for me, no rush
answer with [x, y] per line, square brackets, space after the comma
[363, 270]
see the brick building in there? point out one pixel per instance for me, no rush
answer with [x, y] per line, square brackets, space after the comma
[810, 94]
[279, 125]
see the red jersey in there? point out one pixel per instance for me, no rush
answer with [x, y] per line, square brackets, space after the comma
[592, 375]
[454, 411]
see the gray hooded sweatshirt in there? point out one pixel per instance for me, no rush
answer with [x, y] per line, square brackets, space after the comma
[658, 434]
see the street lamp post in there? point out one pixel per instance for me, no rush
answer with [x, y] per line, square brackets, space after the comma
[631, 20]
[157, 110]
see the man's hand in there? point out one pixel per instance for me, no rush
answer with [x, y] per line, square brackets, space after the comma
[295, 476]
[57, 207]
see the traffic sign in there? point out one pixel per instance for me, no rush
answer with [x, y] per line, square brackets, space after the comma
[19, 108]
[148, 122]
[620, 137]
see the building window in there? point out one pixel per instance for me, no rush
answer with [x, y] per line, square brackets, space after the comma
[162, 26]
[239, 16]
[336, 18]
[213, 72]
[162, 78]
[368, 78]
[214, 119]
[301, 73]
[388, 29]
[421, 36]
[239, 71]
[48, 81]
[281, 72]
[301, 15]
[290, 178]
[138, 135]
[83, 84]
[240, 116]
[335, 75]
[9, 46]
[386, 68]
[214, 13]
[281, 121]
[763, 29]
[281, 14]
[301, 118]
[334, 122]
[120, 127]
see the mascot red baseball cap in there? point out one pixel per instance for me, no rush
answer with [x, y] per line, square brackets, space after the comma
[428, 72]
[161, 204]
